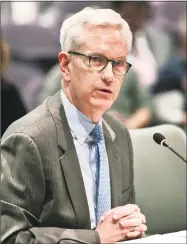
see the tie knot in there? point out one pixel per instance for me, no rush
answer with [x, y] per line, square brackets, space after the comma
[97, 133]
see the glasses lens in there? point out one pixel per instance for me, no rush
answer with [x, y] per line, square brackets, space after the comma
[120, 67]
[97, 63]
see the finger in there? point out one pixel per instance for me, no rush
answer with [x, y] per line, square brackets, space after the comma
[125, 210]
[105, 215]
[141, 228]
[133, 235]
[109, 212]
[107, 218]
[137, 215]
[121, 211]
[126, 223]
[124, 207]
[136, 208]
[118, 212]
[101, 219]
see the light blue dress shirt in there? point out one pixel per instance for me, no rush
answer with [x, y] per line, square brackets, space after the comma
[81, 126]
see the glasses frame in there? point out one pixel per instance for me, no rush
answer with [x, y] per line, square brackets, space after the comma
[106, 61]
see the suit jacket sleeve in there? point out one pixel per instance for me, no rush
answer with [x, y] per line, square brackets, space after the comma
[22, 194]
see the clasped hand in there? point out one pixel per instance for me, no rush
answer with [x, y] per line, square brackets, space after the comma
[121, 223]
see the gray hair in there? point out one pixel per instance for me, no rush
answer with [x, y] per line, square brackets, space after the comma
[71, 33]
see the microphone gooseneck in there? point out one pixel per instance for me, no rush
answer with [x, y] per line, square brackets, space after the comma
[161, 140]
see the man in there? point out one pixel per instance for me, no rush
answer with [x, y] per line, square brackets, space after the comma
[12, 106]
[151, 43]
[69, 172]
[171, 88]
[134, 105]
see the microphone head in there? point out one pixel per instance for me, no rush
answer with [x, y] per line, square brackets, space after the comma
[160, 139]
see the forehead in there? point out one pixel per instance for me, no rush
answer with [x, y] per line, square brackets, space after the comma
[104, 40]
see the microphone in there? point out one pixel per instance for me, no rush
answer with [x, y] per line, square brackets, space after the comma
[161, 140]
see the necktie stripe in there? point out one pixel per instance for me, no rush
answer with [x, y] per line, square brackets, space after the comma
[103, 191]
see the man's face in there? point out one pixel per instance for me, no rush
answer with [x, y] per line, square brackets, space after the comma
[91, 90]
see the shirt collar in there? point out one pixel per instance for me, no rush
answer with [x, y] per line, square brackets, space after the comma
[80, 125]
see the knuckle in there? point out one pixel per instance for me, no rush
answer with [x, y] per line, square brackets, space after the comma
[123, 222]
[132, 222]
[131, 229]
[137, 221]
[142, 228]
[142, 216]
[145, 228]
[115, 210]
[125, 232]
[133, 234]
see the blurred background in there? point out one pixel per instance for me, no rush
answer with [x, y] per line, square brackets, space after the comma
[154, 90]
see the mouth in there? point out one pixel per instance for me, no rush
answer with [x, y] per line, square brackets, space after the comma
[105, 91]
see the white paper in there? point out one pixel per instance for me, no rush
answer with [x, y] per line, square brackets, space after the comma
[176, 237]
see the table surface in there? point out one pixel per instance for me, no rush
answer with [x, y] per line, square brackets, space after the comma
[175, 237]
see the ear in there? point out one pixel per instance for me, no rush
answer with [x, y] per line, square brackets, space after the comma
[64, 60]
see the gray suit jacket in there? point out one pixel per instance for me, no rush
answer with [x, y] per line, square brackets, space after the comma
[42, 189]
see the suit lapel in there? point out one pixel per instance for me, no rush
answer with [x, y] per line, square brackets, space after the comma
[114, 164]
[70, 164]
[75, 185]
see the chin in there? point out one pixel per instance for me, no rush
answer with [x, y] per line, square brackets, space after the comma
[102, 105]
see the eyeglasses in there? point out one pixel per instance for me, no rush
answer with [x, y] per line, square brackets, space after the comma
[99, 63]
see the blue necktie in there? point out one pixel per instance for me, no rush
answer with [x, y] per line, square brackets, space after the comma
[103, 192]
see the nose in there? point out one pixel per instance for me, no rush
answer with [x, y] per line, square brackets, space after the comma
[107, 74]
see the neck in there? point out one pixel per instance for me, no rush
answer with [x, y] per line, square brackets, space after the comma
[95, 116]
